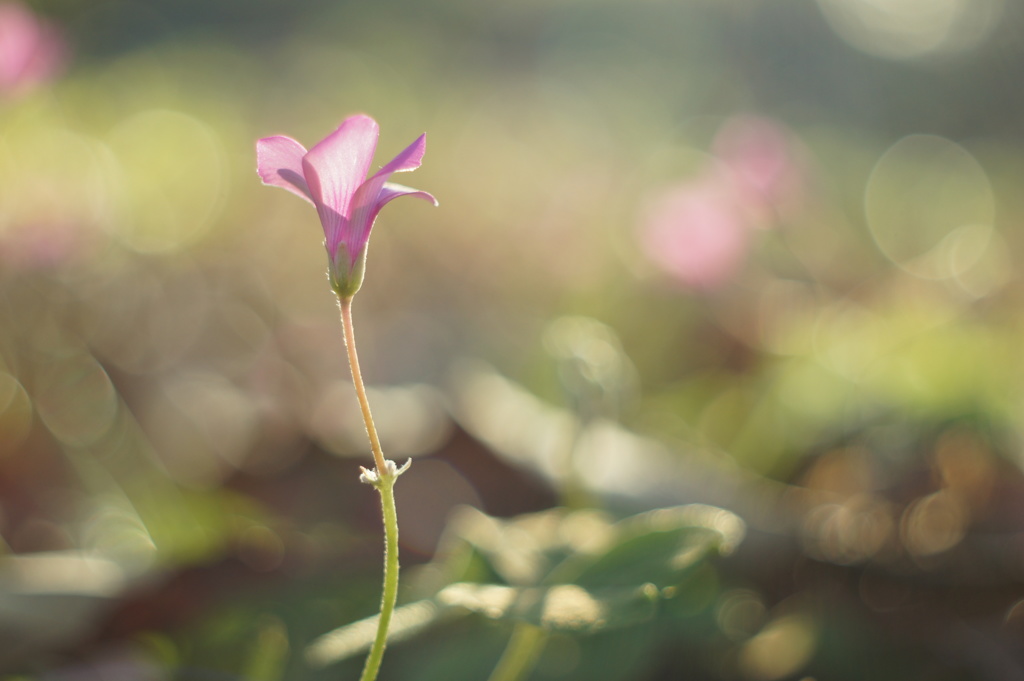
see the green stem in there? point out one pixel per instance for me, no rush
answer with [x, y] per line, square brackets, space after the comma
[383, 479]
[389, 595]
[520, 654]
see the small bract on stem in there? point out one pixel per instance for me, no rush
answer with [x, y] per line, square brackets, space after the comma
[382, 478]
[333, 177]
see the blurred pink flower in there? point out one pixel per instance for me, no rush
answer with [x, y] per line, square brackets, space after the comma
[41, 245]
[332, 176]
[695, 233]
[700, 230]
[763, 165]
[31, 50]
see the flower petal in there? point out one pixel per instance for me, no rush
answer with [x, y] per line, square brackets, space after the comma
[409, 158]
[279, 163]
[334, 169]
[376, 191]
[392, 191]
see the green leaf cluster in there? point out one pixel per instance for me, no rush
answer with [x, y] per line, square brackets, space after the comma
[572, 574]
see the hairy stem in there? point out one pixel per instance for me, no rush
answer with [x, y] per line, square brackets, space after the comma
[384, 482]
[389, 595]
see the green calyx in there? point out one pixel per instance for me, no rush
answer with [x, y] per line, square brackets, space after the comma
[345, 279]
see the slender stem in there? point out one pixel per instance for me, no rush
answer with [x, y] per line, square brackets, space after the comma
[520, 654]
[357, 380]
[384, 482]
[390, 592]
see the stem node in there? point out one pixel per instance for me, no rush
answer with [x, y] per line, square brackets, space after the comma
[382, 478]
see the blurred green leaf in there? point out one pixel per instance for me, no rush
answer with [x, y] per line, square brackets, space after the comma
[572, 572]
[524, 550]
[355, 638]
[661, 546]
[269, 651]
[563, 607]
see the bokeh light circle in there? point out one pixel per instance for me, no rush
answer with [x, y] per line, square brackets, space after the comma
[173, 176]
[909, 29]
[928, 198]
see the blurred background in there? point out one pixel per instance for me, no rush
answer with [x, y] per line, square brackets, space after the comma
[754, 254]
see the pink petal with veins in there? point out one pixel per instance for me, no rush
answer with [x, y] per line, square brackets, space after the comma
[332, 175]
[279, 163]
[369, 198]
[334, 170]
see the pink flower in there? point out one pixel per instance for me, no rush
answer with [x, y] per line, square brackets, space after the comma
[31, 51]
[700, 230]
[763, 164]
[694, 232]
[332, 176]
